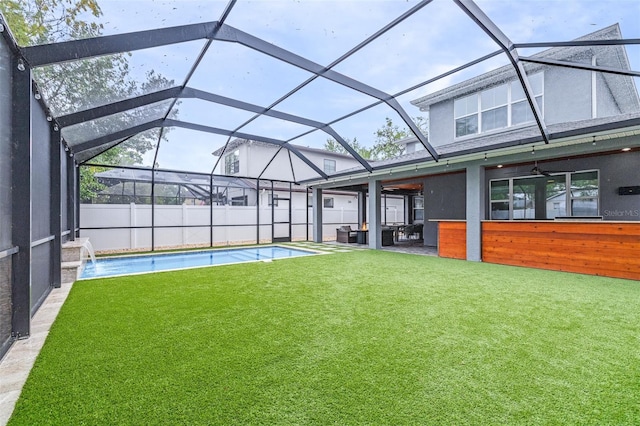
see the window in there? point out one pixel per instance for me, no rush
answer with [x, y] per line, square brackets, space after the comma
[499, 195]
[494, 108]
[327, 202]
[465, 111]
[497, 107]
[545, 197]
[584, 194]
[232, 163]
[520, 109]
[524, 198]
[418, 208]
[242, 200]
[273, 200]
[329, 166]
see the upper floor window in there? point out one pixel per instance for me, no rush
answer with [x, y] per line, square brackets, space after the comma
[232, 163]
[329, 166]
[496, 108]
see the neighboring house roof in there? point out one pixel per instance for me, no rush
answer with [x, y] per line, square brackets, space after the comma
[612, 56]
[239, 142]
[115, 176]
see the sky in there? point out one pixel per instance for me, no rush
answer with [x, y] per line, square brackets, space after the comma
[434, 40]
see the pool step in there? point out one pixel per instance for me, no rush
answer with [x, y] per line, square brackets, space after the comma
[70, 271]
[73, 258]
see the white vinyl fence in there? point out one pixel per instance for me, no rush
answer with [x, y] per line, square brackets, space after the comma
[115, 227]
[128, 226]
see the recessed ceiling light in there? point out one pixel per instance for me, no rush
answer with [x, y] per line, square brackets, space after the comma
[500, 166]
[626, 149]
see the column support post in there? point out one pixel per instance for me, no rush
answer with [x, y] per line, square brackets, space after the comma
[375, 205]
[475, 211]
[21, 199]
[317, 214]
[55, 216]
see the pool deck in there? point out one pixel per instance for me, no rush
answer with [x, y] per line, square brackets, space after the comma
[17, 362]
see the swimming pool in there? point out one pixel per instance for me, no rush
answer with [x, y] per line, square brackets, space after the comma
[127, 265]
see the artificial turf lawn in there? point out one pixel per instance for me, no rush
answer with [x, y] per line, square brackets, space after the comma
[366, 337]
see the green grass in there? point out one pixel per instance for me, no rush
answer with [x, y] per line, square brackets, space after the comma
[366, 337]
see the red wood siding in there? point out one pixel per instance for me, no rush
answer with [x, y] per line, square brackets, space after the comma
[595, 248]
[452, 240]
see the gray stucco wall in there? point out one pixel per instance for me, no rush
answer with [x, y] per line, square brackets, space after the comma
[444, 198]
[441, 123]
[616, 170]
[567, 95]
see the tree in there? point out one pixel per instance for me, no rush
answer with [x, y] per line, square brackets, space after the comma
[84, 84]
[386, 141]
[333, 146]
[385, 145]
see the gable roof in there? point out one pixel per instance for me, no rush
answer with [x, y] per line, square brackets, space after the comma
[613, 56]
[239, 142]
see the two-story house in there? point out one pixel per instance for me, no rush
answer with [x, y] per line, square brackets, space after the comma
[244, 157]
[498, 163]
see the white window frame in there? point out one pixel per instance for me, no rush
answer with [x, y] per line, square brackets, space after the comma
[232, 159]
[509, 106]
[332, 169]
[328, 202]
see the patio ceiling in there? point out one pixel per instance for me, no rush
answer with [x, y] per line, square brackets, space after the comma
[294, 74]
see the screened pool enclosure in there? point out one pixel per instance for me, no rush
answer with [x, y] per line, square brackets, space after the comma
[179, 123]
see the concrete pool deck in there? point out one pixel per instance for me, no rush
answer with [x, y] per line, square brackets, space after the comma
[17, 363]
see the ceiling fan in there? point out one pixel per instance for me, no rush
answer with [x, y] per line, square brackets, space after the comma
[537, 171]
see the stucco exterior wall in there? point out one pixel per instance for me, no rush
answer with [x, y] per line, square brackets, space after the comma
[444, 198]
[616, 170]
[567, 95]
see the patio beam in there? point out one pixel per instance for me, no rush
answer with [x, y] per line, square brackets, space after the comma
[231, 34]
[118, 107]
[122, 134]
[187, 92]
[577, 65]
[579, 43]
[234, 103]
[53, 53]
[486, 24]
[248, 136]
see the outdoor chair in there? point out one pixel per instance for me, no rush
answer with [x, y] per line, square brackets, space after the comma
[413, 231]
[345, 234]
[387, 236]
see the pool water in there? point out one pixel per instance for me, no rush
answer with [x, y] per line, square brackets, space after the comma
[127, 265]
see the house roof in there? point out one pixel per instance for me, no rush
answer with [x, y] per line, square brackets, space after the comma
[527, 135]
[614, 56]
[239, 142]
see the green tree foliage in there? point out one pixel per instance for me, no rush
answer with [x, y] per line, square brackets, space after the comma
[385, 145]
[333, 146]
[387, 136]
[80, 85]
